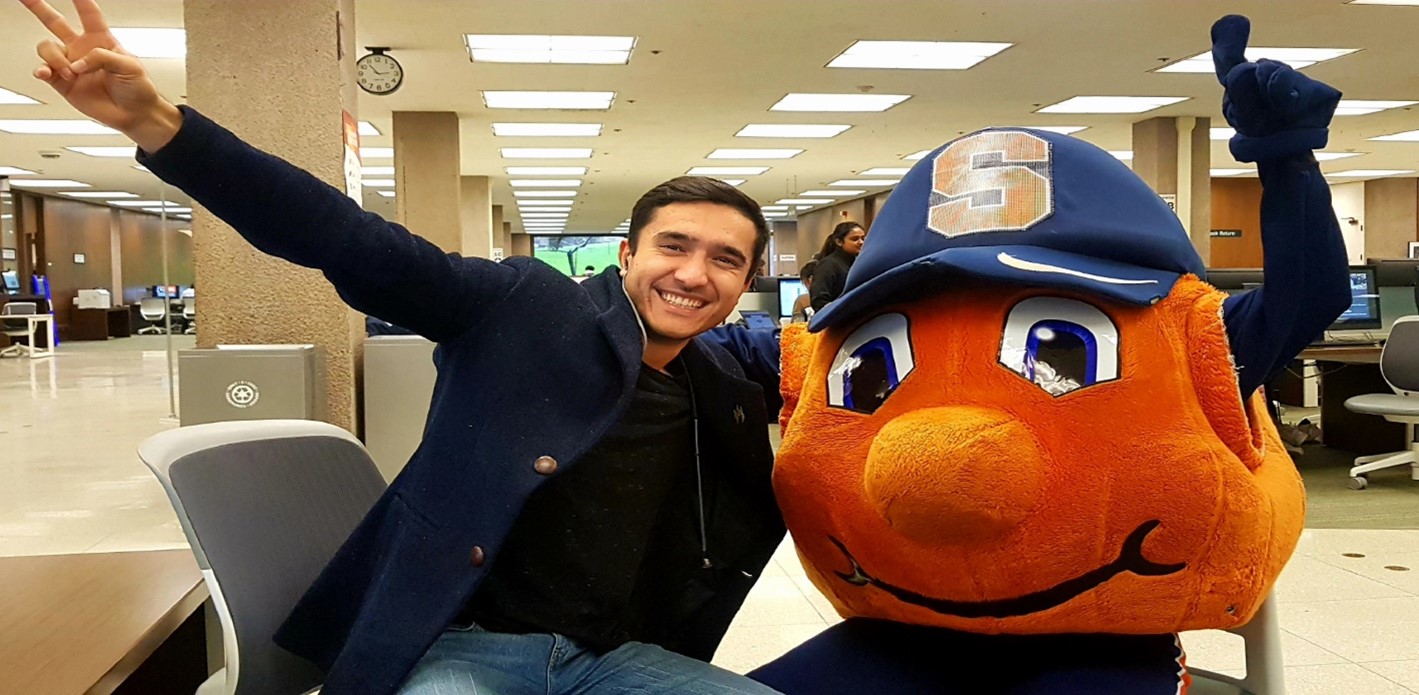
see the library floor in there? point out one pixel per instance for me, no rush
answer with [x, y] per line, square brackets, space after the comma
[69, 426]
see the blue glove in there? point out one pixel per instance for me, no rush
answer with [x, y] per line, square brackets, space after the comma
[1276, 111]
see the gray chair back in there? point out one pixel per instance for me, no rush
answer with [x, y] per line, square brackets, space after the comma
[1399, 363]
[17, 327]
[153, 308]
[265, 505]
[189, 309]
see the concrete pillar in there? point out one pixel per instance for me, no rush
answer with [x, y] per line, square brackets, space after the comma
[521, 245]
[233, 51]
[497, 231]
[115, 253]
[1173, 156]
[476, 206]
[506, 242]
[426, 176]
[1391, 217]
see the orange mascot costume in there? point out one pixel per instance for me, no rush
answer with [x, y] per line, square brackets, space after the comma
[1026, 447]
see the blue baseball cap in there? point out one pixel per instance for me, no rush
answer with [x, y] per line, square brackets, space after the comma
[1019, 206]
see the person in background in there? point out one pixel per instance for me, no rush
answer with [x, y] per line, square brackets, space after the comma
[591, 501]
[839, 250]
[588, 271]
[802, 306]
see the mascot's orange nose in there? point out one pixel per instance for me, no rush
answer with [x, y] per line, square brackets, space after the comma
[956, 475]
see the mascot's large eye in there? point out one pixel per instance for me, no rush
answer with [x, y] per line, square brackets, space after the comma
[1060, 345]
[872, 362]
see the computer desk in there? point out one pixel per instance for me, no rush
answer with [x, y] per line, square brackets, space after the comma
[1344, 371]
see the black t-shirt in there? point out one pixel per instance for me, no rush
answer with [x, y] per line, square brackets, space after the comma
[603, 552]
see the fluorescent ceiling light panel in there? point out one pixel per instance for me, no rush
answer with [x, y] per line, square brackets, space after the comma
[547, 130]
[368, 130]
[48, 183]
[128, 152]
[15, 171]
[9, 97]
[539, 203]
[742, 153]
[545, 215]
[376, 153]
[1295, 57]
[378, 183]
[774, 207]
[1122, 155]
[1371, 172]
[387, 194]
[544, 49]
[55, 127]
[726, 171]
[866, 183]
[789, 130]
[105, 195]
[1222, 133]
[1361, 107]
[774, 214]
[1061, 129]
[916, 55]
[545, 183]
[806, 207]
[1332, 156]
[1110, 104]
[803, 201]
[841, 103]
[885, 171]
[171, 210]
[584, 101]
[376, 171]
[1231, 172]
[146, 42]
[544, 194]
[546, 152]
[829, 194]
[144, 204]
[917, 155]
[140, 167]
[1406, 136]
[545, 171]
[1395, 3]
[733, 182]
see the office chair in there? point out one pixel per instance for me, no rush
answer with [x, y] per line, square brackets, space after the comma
[265, 504]
[17, 328]
[153, 310]
[1399, 365]
[189, 315]
[1266, 672]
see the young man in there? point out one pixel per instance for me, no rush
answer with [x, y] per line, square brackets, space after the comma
[591, 501]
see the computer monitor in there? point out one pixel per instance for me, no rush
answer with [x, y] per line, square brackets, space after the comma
[758, 320]
[789, 289]
[170, 291]
[1364, 311]
[1396, 273]
[12, 282]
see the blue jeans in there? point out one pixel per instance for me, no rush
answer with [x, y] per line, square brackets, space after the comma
[477, 662]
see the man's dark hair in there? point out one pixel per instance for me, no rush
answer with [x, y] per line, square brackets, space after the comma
[701, 189]
[806, 272]
[835, 240]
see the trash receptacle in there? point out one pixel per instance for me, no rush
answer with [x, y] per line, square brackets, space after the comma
[246, 382]
[399, 383]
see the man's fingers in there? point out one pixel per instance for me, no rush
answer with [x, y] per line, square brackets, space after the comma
[1229, 44]
[90, 16]
[51, 19]
[115, 63]
[53, 55]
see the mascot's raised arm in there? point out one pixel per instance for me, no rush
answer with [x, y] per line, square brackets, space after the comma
[1025, 448]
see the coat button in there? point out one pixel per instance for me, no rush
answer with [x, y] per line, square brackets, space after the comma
[545, 465]
[478, 557]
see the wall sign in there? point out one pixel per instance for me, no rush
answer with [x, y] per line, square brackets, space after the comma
[1171, 199]
[9, 254]
[79, 259]
[1226, 233]
[1413, 249]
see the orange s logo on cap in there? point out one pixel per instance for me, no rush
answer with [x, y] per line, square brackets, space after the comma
[993, 181]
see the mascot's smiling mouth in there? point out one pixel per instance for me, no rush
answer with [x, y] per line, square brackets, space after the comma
[1130, 559]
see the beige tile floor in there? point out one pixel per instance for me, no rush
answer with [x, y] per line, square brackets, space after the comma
[69, 426]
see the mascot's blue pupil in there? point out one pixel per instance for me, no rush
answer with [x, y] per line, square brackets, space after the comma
[872, 377]
[1067, 350]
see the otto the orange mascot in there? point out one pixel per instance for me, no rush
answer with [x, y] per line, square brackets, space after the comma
[1026, 448]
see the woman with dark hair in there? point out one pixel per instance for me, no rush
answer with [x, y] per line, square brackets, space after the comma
[840, 249]
[802, 307]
